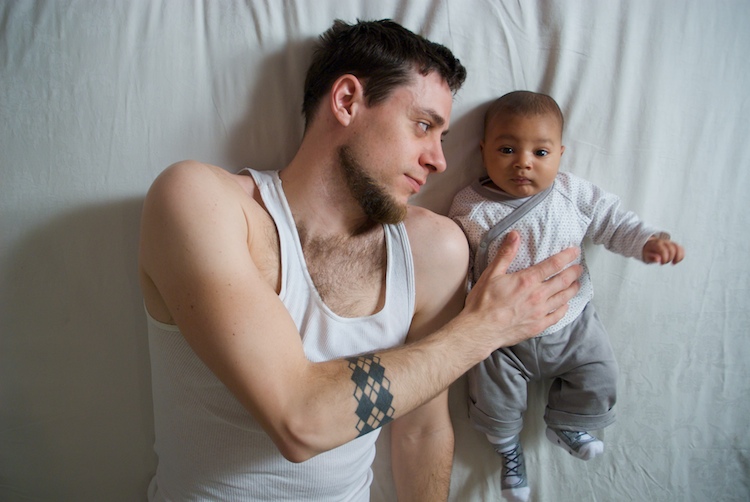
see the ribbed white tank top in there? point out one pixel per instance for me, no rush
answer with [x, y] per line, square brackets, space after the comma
[210, 448]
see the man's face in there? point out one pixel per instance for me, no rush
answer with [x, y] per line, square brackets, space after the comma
[522, 153]
[396, 145]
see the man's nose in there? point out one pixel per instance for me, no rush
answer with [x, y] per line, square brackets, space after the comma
[434, 158]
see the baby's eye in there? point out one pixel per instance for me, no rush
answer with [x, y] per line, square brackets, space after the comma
[505, 149]
[542, 153]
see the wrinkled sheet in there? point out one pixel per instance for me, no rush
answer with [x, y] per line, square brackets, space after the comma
[98, 96]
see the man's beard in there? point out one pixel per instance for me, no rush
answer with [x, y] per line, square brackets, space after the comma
[372, 197]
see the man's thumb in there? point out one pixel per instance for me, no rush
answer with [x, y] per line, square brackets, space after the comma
[505, 254]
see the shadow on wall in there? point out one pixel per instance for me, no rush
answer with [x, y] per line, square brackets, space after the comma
[269, 135]
[74, 369]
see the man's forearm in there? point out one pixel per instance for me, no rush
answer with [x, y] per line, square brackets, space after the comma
[514, 308]
[422, 457]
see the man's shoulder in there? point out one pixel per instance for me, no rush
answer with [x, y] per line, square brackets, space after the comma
[189, 175]
[441, 260]
[186, 203]
[434, 236]
[190, 199]
[422, 219]
[193, 185]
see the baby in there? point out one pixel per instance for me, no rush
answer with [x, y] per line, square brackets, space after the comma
[551, 210]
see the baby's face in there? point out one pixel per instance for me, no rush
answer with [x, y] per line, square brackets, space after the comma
[522, 153]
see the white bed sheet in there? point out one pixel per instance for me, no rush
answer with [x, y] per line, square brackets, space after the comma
[97, 97]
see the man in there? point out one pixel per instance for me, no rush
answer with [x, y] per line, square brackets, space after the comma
[275, 300]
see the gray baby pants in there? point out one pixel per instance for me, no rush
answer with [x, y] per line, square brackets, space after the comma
[581, 363]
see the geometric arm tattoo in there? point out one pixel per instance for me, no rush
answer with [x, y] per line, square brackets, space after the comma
[372, 393]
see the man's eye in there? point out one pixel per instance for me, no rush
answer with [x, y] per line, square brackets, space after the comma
[506, 149]
[542, 153]
[424, 126]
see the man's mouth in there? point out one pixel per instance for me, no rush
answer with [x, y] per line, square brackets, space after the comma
[415, 183]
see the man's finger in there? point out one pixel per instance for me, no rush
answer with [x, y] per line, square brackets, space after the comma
[555, 263]
[565, 285]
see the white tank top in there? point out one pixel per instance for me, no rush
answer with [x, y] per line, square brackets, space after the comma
[210, 447]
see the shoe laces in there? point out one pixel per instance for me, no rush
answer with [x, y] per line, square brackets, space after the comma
[578, 436]
[512, 463]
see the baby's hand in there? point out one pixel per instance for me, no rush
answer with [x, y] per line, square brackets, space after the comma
[662, 251]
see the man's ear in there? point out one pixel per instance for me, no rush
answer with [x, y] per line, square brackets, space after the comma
[347, 96]
[481, 146]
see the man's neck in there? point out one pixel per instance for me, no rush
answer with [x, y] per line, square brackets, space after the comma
[346, 264]
[320, 201]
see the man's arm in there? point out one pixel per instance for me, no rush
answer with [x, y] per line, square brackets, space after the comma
[422, 452]
[197, 268]
[422, 440]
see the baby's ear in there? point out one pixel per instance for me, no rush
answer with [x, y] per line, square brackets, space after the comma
[481, 145]
[562, 150]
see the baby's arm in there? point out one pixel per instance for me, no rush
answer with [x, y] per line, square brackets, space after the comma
[662, 251]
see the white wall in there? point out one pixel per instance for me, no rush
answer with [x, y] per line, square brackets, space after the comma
[97, 97]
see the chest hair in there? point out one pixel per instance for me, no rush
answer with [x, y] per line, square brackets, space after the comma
[348, 272]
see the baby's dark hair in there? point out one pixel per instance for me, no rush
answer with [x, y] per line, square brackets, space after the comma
[382, 54]
[524, 103]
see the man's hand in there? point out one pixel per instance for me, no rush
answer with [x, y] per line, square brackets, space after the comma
[662, 251]
[510, 308]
